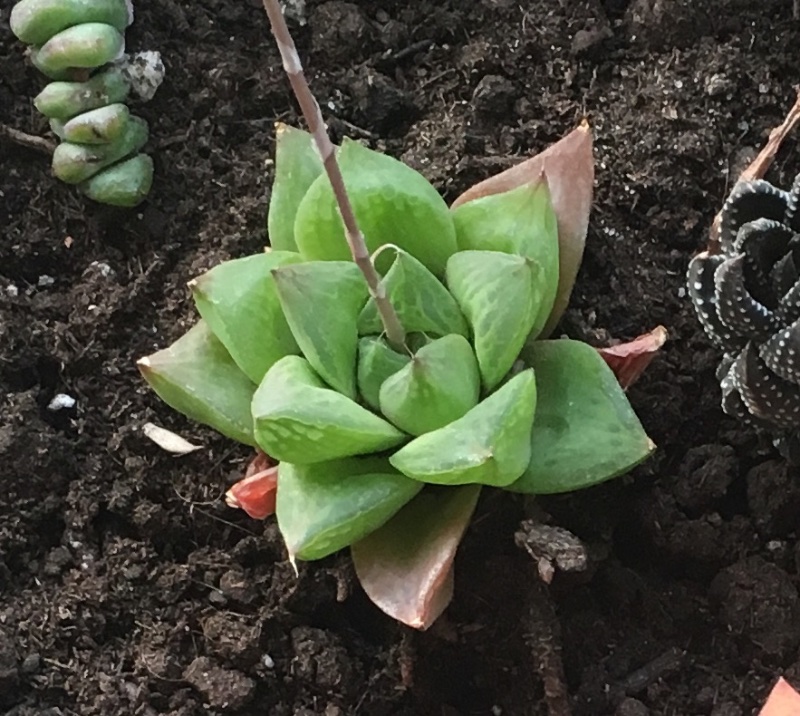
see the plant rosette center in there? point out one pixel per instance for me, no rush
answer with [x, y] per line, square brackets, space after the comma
[385, 448]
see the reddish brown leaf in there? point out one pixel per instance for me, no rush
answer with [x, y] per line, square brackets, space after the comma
[568, 166]
[255, 492]
[783, 701]
[406, 566]
[629, 360]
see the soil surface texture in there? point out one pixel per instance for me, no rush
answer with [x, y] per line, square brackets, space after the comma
[126, 584]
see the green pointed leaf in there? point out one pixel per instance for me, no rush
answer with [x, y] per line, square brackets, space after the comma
[520, 222]
[239, 302]
[321, 301]
[585, 430]
[490, 445]
[324, 507]
[406, 566]
[393, 204]
[297, 165]
[500, 296]
[197, 377]
[440, 384]
[420, 299]
[569, 168]
[300, 420]
[377, 360]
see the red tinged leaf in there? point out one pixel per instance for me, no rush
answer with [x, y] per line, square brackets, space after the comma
[255, 493]
[783, 701]
[568, 166]
[406, 566]
[629, 360]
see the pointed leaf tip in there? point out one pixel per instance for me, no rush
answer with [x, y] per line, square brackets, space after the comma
[783, 700]
[406, 566]
[569, 168]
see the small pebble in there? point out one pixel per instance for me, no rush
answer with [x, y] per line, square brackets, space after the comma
[61, 401]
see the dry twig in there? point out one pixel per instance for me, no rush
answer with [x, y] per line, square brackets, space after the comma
[313, 116]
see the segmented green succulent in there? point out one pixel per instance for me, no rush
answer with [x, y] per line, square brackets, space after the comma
[289, 355]
[75, 43]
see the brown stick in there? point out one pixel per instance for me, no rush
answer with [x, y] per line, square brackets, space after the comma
[313, 116]
[40, 144]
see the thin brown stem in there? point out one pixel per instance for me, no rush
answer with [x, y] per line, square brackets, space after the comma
[313, 116]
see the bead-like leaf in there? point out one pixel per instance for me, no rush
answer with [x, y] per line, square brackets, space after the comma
[300, 420]
[422, 302]
[324, 507]
[440, 384]
[520, 222]
[34, 22]
[321, 301]
[297, 165]
[569, 167]
[406, 566]
[197, 377]
[393, 205]
[92, 44]
[500, 295]
[98, 126]
[490, 445]
[239, 302]
[75, 163]
[585, 430]
[64, 100]
[377, 360]
[125, 184]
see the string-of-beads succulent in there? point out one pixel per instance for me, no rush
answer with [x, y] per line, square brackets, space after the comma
[76, 43]
[747, 298]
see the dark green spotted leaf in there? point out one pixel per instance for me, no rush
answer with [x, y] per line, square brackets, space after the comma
[500, 295]
[298, 419]
[393, 204]
[520, 222]
[422, 302]
[490, 445]
[238, 300]
[377, 360]
[440, 384]
[585, 430]
[297, 165]
[197, 377]
[324, 507]
[321, 301]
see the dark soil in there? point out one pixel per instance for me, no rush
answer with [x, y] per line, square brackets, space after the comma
[128, 587]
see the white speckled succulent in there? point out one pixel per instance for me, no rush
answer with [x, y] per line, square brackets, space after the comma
[747, 298]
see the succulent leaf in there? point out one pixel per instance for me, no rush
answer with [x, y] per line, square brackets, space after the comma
[568, 166]
[76, 163]
[584, 429]
[520, 222]
[298, 419]
[440, 384]
[34, 22]
[422, 302]
[324, 507]
[490, 445]
[500, 295]
[406, 566]
[197, 377]
[393, 204]
[749, 201]
[377, 361]
[125, 184]
[64, 100]
[239, 301]
[92, 44]
[97, 126]
[297, 165]
[321, 301]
